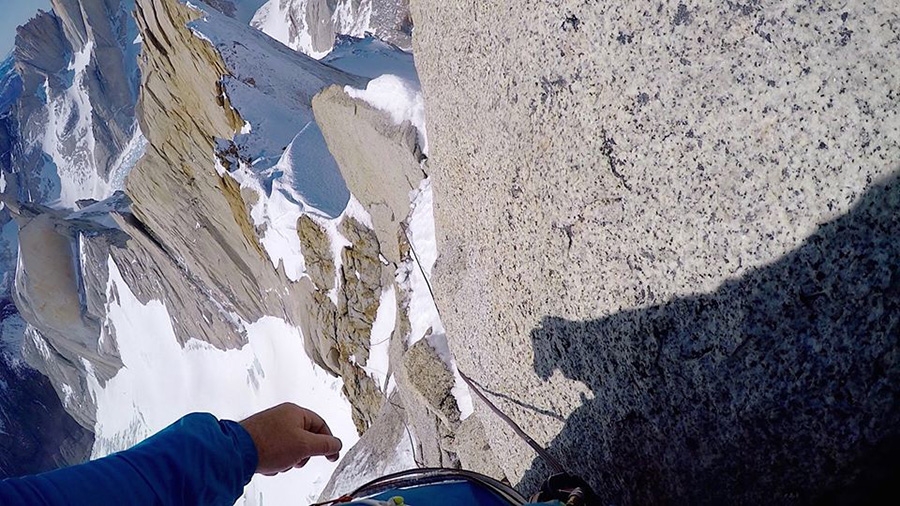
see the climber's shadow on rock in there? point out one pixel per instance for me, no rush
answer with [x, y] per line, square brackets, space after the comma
[779, 387]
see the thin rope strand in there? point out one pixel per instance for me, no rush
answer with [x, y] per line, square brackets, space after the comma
[552, 462]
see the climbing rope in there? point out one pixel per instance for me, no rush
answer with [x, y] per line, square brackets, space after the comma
[553, 463]
[541, 451]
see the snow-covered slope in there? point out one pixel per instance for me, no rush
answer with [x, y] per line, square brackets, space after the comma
[232, 384]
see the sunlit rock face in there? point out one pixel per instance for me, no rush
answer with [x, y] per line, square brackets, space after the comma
[679, 223]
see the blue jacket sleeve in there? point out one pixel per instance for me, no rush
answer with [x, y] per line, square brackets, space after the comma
[197, 460]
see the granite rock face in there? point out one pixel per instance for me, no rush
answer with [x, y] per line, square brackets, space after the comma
[683, 217]
[391, 21]
[385, 448]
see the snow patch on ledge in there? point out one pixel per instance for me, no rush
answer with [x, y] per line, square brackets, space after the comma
[400, 98]
[162, 381]
[378, 363]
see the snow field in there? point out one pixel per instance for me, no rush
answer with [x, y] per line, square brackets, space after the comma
[162, 381]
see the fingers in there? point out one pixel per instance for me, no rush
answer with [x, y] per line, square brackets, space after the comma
[321, 444]
[286, 436]
[315, 423]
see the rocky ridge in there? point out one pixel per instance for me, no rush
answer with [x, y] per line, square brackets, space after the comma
[187, 230]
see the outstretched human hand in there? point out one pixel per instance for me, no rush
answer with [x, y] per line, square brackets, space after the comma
[287, 435]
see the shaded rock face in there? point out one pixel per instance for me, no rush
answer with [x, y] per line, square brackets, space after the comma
[774, 386]
[41, 56]
[36, 433]
[617, 161]
[10, 90]
[75, 116]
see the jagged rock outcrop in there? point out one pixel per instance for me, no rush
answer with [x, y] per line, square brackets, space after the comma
[199, 216]
[670, 235]
[380, 161]
[341, 327]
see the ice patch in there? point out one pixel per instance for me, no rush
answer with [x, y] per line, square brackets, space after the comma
[126, 161]
[67, 394]
[162, 381]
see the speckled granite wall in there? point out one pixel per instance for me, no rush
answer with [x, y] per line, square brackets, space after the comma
[675, 226]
